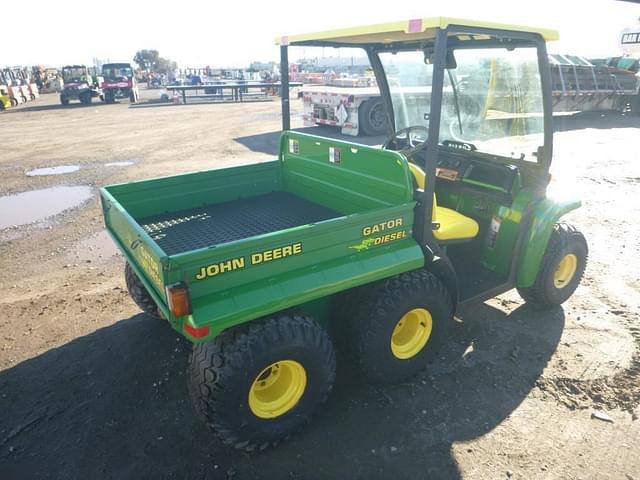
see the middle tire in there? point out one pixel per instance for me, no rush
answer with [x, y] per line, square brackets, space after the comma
[257, 384]
[393, 327]
[139, 294]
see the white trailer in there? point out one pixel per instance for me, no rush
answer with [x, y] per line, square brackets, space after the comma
[351, 109]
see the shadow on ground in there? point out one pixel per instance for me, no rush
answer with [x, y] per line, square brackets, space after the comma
[269, 142]
[596, 119]
[56, 106]
[113, 404]
[153, 103]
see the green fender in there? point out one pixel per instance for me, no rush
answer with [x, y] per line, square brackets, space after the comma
[545, 215]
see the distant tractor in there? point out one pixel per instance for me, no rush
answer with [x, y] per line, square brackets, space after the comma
[10, 87]
[119, 82]
[5, 99]
[79, 84]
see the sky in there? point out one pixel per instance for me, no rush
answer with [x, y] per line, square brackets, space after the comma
[197, 33]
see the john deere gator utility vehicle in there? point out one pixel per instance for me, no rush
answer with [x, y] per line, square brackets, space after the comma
[257, 264]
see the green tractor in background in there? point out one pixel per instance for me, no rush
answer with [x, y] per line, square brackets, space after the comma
[264, 267]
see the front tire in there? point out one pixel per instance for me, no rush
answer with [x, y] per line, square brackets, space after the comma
[561, 270]
[393, 327]
[139, 294]
[255, 385]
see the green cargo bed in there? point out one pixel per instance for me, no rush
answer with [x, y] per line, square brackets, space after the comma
[209, 225]
[250, 240]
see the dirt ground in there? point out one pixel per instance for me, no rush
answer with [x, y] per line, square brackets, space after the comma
[92, 388]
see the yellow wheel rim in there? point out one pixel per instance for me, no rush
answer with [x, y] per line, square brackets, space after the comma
[565, 271]
[277, 389]
[411, 333]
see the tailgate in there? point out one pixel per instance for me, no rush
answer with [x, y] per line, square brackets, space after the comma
[140, 250]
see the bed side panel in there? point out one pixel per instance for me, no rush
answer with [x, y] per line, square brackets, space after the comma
[346, 177]
[180, 192]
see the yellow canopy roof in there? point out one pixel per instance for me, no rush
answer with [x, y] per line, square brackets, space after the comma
[405, 31]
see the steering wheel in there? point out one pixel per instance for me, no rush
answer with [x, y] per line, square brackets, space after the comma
[404, 142]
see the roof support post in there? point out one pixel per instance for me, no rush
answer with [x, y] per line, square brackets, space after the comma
[546, 153]
[437, 83]
[284, 87]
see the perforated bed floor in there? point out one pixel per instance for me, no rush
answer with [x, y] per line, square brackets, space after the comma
[204, 226]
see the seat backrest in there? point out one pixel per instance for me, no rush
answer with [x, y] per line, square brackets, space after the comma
[419, 175]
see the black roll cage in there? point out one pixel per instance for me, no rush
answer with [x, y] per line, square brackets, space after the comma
[441, 43]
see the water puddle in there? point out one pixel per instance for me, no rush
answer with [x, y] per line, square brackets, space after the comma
[27, 207]
[119, 164]
[59, 170]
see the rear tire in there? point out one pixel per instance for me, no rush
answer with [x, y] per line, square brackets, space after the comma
[226, 377]
[86, 98]
[372, 117]
[14, 102]
[374, 325]
[561, 270]
[139, 294]
[64, 100]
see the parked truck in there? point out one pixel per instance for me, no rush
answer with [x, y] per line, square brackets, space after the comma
[265, 267]
[119, 82]
[350, 108]
[79, 84]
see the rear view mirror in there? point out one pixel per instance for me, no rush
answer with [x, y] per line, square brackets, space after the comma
[450, 60]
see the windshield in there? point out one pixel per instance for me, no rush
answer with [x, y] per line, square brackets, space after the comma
[73, 74]
[117, 72]
[491, 99]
